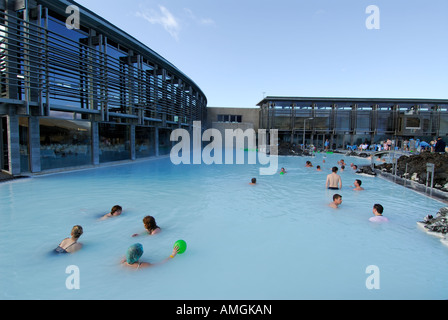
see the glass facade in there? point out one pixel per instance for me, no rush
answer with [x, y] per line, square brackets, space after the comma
[114, 142]
[145, 140]
[352, 121]
[97, 94]
[64, 143]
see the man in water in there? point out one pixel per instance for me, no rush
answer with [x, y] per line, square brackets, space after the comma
[334, 181]
[357, 184]
[337, 200]
[378, 214]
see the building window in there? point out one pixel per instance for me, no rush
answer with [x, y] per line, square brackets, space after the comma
[230, 118]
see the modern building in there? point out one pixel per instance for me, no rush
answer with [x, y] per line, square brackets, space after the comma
[352, 121]
[77, 91]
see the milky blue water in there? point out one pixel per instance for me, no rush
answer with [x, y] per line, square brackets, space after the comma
[278, 239]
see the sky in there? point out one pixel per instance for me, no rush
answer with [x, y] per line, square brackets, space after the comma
[238, 52]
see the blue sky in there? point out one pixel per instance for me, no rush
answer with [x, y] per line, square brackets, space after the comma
[239, 51]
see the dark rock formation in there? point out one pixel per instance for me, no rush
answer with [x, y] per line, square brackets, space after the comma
[439, 224]
[366, 170]
[416, 168]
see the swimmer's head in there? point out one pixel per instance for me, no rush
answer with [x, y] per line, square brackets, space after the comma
[134, 253]
[359, 182]
[337, 197]
[149, 222]
[116, 210]
[379, 208]
[254, 180]
[76, 232]
[334, 169]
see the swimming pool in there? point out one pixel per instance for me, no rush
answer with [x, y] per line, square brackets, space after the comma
[275, 240]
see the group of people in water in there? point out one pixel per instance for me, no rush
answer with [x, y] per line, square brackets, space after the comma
[133, 253]
[334, 182]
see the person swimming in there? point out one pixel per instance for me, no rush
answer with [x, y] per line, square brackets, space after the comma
[337, 201]
[253, 181]
[378, 214]
[150, 225]
[114, 212]
[357, 185]
[70, 245]
[135, 252]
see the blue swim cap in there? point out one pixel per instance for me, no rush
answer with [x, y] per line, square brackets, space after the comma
[134, 253]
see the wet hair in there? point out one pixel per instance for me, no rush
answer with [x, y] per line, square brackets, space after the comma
[77, 232]
[334, 169]
[336, 196]
[359, 182]
[254, 180]
[379, 208]
[150, 223]
[134, 253]
[115, 209]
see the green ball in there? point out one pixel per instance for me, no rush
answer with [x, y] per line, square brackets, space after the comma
[182, 245]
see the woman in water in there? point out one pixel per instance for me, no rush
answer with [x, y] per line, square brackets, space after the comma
[150, 225]
[70, 245]
[135, 252]
[114, 212]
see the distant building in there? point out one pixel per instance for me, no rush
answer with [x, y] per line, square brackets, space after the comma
[77, 91]
[352, 121]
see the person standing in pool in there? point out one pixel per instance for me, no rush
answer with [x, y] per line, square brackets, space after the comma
[70, 245]
[135, 252]
[337, 201]
[150, 225]
[114, 212]
[334, 181]
[378, 214]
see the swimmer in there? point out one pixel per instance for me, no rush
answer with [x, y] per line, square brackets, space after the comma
[357, 185]
[342, 168]
[253, 181]
[334, 181]
[135, 252]
[308, 164]
[318, 168]
[114, 212]
[150, 225]
[337, 200]
[282, 171]
[70, 245]
[378, 214]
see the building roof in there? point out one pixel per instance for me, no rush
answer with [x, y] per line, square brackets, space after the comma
[94, 21]
[358, 100]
